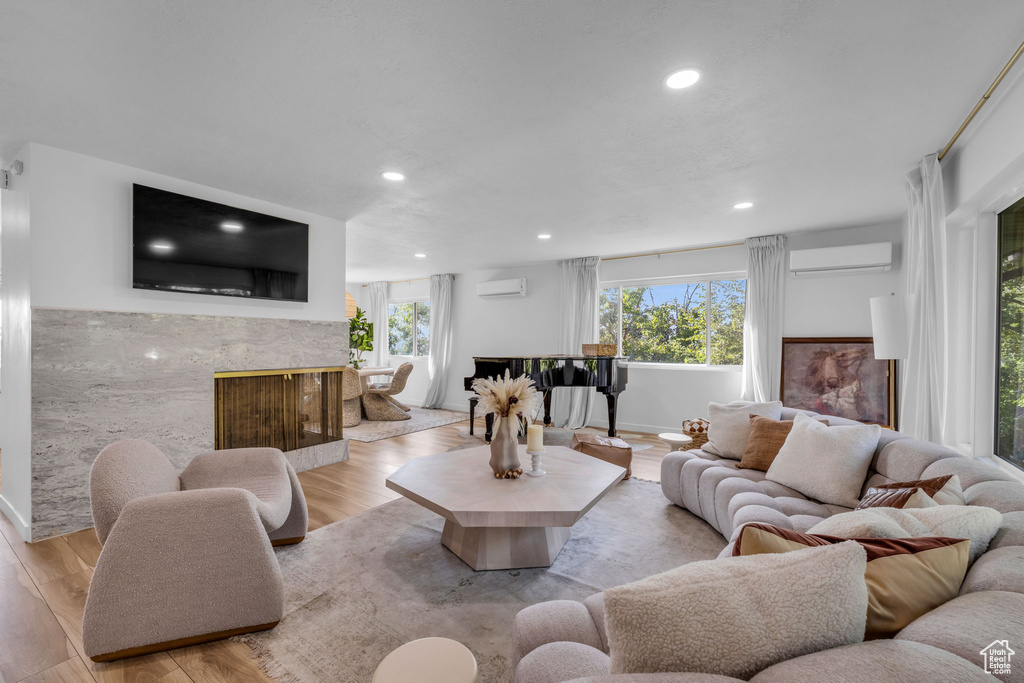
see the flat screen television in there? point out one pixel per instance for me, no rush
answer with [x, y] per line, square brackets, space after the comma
[184, 244]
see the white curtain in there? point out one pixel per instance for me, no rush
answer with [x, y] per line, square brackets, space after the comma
[440, 339]
[762, 322]
[924, 395]
[378, 315]
[578, 327]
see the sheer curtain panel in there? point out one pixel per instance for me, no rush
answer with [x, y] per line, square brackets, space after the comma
[440, 339]
[378, 315]
[762, 322]
[578, 327]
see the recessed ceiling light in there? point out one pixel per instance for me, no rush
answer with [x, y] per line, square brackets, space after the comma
[231, 227]
[543, 237]
[162, 246]
[420, 255]
[683, 78]
[392, 175]
[743, 205]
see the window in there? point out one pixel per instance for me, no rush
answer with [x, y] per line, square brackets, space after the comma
[689, 323]
[1010, 378]
[409, 328]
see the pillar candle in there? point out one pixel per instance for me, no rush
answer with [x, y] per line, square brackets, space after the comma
[535, 438]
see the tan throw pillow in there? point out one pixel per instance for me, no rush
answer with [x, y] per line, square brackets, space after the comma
[765, 440]
[921, 493]
[738, 615]
[827, 464]
[905, 578]
[729, 426]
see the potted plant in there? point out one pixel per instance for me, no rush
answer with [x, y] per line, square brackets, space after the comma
[360, 338]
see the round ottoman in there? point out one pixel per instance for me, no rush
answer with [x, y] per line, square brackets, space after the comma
[428, 660]
[675, 441]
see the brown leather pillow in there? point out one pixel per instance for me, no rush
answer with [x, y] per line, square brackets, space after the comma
[765, 440]
[899, 493]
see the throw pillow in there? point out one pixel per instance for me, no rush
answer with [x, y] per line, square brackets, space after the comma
[738, 615]
[908, 494]
[729, 426]
[765, 439]
[905, 578]
[828, 464]
[977, 523]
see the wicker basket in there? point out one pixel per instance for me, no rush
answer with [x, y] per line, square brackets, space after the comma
[600, 350]
[697, 430]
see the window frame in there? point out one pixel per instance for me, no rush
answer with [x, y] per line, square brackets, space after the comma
[707, 279]
[415, 301]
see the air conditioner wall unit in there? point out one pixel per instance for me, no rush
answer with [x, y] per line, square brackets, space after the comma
[856, 258]
[496, 289]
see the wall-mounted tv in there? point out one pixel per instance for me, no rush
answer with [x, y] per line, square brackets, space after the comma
[184, 244]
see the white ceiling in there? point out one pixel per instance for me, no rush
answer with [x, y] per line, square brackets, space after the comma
[512, 118]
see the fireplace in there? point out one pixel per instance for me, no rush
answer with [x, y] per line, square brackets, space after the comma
[286, 409]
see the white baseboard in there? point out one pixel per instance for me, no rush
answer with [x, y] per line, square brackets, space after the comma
[23, 528]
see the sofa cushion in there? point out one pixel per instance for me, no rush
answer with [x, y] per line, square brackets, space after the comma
[971, 471]
[979, 524]
[917, 493]
[879, 660]
[763, 444]
[730, 426]
[907, 459]
[553, 621]
[738, 615]
[561, 661]
[997, 570]
[905, 577]
[1011, 533]
[970, 623]
[657, 678]
[1005, 496]
[825, 463]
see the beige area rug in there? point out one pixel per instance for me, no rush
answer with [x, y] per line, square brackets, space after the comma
[357, 589]
[421, 419]
[553, 436]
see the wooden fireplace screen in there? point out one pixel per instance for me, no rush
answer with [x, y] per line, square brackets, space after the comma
[284, 409]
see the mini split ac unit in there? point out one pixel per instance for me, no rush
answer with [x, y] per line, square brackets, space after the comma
[500, 288]
[857, 258]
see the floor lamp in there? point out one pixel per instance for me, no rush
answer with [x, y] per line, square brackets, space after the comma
[889, 329]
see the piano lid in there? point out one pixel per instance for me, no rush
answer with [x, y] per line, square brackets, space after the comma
[553, 356]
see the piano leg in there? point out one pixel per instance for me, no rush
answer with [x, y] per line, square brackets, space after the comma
[612, 401]
[547, 407]
[489, 419]
[472, 412]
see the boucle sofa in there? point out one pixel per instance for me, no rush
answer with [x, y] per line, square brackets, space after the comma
[564, 640]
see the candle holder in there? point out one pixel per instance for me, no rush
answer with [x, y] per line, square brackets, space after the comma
[536, 471]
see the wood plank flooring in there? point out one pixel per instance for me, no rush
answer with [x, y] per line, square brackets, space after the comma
[43, 585]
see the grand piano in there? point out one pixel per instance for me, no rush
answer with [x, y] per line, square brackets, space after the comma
[608, 374]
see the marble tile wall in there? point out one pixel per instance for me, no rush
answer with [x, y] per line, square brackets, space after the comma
[100, 376]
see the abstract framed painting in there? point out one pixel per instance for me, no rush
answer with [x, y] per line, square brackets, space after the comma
[839, 376]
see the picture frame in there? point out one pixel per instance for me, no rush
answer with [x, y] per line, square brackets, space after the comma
[839, 376]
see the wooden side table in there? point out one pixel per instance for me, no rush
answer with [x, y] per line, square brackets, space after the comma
[428, 660]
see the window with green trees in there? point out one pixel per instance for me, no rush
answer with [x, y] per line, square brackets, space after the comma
[690, 323]
[409, 328]
[1010, 389]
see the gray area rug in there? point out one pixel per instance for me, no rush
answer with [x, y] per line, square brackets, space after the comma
[357, 589]
[421, 419]
[553, 436]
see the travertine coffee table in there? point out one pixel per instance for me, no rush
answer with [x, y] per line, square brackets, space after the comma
[506, 523]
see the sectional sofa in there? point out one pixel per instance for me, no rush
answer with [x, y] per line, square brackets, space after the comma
[565, 640]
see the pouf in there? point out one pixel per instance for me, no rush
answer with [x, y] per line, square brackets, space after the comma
[608, 448]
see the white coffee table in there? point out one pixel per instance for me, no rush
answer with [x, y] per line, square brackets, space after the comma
[675, 441]
[506, 523]
[428, 660]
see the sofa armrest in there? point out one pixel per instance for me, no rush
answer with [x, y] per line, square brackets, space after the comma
[553, 622]
[182, 565]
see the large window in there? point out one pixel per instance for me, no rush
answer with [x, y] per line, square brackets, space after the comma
[689, 323]
[1010, 390]
[409, 328]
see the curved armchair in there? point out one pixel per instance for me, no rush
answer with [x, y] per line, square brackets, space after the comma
[187, 559]
[351, 393]
[387, 391]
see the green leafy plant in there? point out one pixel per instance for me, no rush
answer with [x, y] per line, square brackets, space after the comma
[360, 338]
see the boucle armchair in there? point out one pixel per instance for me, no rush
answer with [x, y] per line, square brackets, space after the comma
[187, 559]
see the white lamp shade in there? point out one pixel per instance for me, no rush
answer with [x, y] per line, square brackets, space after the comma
[889, 326]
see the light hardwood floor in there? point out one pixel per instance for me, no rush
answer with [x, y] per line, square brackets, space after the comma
[43, 585]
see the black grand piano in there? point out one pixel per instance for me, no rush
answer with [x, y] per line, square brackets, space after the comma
[608, 374]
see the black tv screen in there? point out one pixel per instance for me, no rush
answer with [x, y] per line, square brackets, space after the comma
[184, 244]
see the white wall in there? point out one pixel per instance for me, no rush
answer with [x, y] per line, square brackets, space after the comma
[82, 244]
[16, 347]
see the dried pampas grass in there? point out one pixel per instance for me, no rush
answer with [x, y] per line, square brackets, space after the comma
[506, 397]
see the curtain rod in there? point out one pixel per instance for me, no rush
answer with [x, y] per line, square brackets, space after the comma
[398, 282]
[982, 101]
[674, 251]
